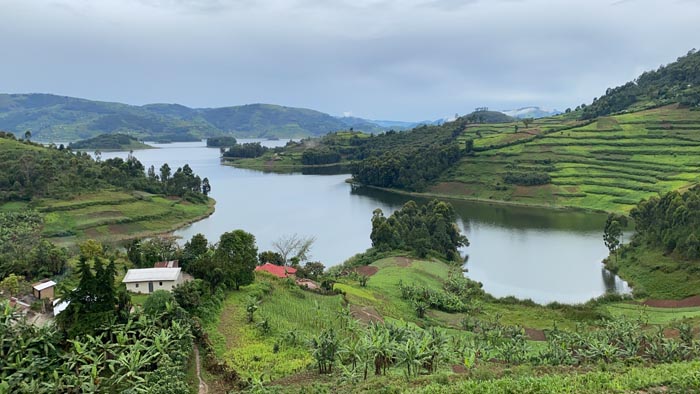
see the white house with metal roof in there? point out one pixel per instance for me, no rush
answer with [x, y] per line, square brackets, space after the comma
[148, 280]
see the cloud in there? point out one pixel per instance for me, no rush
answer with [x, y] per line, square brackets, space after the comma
[402, 59]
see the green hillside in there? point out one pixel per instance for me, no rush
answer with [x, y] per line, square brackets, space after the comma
[110, 142]
[78, 197]
[58, 118]
[609, 163]
[677, 82]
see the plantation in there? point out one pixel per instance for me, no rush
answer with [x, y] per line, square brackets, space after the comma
[373, 338]
[608, 164]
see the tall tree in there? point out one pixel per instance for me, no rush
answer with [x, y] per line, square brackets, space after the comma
[236, 257]
[290, 246]
[612, 233]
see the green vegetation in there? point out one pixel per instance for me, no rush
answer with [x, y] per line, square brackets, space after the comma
[662, 259]
[143, 354]
[608, 165]
[110, 142]
[677, 82]
[58, 118]
[221, 142]
[79, 197]
[430, 228]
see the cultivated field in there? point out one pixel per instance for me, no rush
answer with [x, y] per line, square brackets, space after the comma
[111, 216]
[608, 164]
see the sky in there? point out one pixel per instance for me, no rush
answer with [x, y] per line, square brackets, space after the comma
[379, 59]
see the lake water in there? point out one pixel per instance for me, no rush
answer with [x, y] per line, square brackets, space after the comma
[545, 255]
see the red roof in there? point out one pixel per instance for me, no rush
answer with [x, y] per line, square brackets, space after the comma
[277, 270]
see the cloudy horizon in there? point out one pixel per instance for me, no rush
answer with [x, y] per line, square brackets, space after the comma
[406, 60]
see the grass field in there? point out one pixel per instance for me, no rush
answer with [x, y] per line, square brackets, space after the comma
[111, 216]
[608, 164]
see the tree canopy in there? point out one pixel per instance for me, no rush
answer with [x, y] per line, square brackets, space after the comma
[424, 229]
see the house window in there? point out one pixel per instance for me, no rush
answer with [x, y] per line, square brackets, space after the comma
[137, 286]
[160, 283]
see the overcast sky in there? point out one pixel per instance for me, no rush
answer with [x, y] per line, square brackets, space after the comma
[378, 59]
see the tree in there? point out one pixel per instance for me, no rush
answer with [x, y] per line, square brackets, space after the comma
[235, 257]
[294, 246]
[269, 256]
[206, 187]
[28, 135]
[195, 248]
[91, 249]
[527, 121]
[313, 269]
[13, 284]
[612, 233]
[158, 303]
[165, 172]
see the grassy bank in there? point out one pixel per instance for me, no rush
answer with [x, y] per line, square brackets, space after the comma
[110, 216]
[653, 274]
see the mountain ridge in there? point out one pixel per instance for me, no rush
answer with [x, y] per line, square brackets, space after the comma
[55, 117]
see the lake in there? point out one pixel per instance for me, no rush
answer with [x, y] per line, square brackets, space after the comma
[546, 255]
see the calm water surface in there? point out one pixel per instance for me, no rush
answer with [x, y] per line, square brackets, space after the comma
[532, 253]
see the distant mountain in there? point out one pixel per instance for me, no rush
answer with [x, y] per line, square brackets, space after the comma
[397, 125]
[530, 112]
[52, 117]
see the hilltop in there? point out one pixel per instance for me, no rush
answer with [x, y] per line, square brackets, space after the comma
[58, 118]
[110, 142]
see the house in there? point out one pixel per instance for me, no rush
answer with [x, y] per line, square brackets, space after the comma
[148, 280]
[44, 290]
[167, 264]
[279, 271]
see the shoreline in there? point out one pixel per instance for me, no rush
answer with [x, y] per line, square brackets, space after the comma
[480, 200]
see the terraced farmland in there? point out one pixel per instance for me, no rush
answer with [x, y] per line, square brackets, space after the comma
[110, 216]
[607, 164]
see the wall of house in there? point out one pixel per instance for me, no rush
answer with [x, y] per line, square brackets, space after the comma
[47, 293]
[142, 287]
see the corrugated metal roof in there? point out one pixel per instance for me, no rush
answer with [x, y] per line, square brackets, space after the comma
[43, 285]
[151, 274]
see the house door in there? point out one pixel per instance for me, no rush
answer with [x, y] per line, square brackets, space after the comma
[150, 287]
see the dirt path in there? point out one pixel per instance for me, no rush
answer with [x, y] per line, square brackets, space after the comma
[689, 302]
[203, 388]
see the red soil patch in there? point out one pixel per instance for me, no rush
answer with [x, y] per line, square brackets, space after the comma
[535, 334]
[366, 270]
[403, 261]
[365, 314]
[461, 369]
[689, 302]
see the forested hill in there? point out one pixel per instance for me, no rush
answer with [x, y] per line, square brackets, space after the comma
[32, 171]
[677, 82]
[58, 118]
